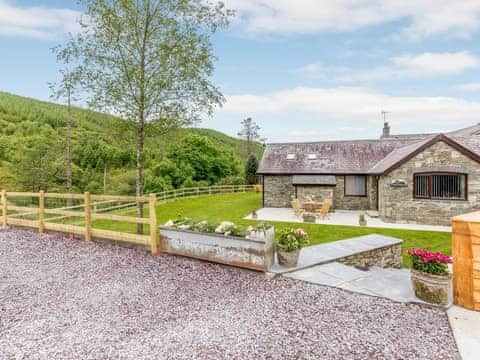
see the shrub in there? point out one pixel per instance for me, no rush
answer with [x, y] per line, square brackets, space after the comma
[434, 263]
[293, 239]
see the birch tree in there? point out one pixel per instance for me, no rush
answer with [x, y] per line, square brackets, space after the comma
[150, 62]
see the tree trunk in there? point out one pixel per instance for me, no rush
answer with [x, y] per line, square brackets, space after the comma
[105, 178]
[139, 177]
[69, 148]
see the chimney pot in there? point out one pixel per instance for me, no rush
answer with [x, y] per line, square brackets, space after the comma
[386, 130]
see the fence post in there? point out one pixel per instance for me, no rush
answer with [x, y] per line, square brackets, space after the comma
[153, 223]
[41, 212]
[4, 208]
[88, 217]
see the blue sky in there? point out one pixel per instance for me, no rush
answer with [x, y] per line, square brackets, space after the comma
[305, 69]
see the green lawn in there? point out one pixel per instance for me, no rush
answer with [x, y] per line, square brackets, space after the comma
[233, 207]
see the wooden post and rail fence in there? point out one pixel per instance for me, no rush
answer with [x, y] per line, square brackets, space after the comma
[38, 216]
[41, 215]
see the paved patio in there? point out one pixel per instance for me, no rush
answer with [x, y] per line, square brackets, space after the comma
[342, 217]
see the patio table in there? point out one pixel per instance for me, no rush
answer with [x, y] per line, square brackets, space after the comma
[311, 206]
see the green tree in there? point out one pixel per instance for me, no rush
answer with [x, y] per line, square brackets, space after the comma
[65, 89]
[250, 132]
[150, 61]
[210, 163]
[37, 164]
[251, 168]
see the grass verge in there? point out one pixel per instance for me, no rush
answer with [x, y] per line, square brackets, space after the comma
[234, 207]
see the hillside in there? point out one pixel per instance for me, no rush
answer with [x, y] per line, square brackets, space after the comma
[32, 147]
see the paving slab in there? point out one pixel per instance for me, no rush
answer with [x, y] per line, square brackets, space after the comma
[330, 252]
[316, 276]
[393, 284]
[466, 329]
[344, 272]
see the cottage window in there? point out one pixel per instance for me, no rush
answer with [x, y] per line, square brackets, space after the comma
[440, 186]
[356, 185]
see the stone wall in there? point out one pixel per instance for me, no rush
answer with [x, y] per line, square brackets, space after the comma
[369, 202]
[278, 191]
[398, 204]
[315, 192]
[386, 257]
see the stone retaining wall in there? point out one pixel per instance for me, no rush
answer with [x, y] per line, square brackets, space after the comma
[386, 257]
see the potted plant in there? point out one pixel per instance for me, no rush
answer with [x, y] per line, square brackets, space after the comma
[290, 242]
[430, 276]
[362, 221]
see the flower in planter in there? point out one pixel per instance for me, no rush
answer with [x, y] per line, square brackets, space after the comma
[292, 239]
[235, 230]
[223, 227]
[430, 276]
[169, 223]
[434, 263]
[206, 226]
[182, 224]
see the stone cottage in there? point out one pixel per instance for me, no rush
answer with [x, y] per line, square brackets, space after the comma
[415, 178]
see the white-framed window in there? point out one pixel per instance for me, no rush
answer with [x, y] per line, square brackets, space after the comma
[355, 185]
[290, 156]
[311, 156]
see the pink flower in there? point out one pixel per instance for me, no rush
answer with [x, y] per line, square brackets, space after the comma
[430, 257]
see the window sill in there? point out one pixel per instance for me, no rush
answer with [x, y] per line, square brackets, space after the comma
[443, 200]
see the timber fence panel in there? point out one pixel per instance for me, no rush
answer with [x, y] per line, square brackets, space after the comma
[74, 213]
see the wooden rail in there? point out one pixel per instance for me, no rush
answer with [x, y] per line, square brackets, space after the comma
[12, 215]
[96, 207]
[175, 194]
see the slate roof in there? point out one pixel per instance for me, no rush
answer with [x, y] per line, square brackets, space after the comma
[360, 156]
[314, 180]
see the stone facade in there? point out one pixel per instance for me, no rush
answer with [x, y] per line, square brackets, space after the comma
[278, 192]
[343, 202]
[396, 204]
[315, 192]
[386, 257]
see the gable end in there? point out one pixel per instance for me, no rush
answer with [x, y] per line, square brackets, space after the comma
[438, 138]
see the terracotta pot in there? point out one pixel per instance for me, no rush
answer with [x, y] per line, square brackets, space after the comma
[434, 289]
[287, 258]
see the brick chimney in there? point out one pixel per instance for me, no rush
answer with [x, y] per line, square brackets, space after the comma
[386, 130]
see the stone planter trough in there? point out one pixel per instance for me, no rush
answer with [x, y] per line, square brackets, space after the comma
[287, 258]
[256, 252]
[434, 289]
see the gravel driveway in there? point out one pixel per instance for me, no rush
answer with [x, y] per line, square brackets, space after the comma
[66, 299]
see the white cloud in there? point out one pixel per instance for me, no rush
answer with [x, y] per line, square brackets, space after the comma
[423, 18]
[404, 66]
[469, 87]
[37, 21]
[353, 104]
[309, 69]
[437, 63]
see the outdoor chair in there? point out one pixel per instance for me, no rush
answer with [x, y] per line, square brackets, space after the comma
[324, 211]
[297, 209]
